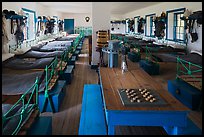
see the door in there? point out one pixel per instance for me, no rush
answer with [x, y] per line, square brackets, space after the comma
[69, 26]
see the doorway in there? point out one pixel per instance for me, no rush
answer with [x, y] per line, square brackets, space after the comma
[69, 26]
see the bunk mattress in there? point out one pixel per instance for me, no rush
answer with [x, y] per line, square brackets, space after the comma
[18, 84]
[38, 46]
[191, 57]
[11, 124]
[56, 45]
[40, 54]
[65, 38]
[27, 63]
[162, 49]
[143, 43]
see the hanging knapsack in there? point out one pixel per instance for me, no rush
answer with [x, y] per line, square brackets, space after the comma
[197, 15]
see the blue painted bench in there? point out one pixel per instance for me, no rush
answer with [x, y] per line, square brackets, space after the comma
[185, 93]
[41, 126]
[56, 94]
[68, 74]
[149, 67]
[92, 120]
[76, 53]
[72, 61]
[79, 48]
[134, 57]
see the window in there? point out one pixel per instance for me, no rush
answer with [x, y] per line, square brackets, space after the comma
[136, 24]
[25, 30]
[56, 28]
[127, 30]
[30, 29]
[150, 26]
[175, 26]
[179, 32]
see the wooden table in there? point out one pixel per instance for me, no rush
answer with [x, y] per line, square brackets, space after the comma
[173, 116]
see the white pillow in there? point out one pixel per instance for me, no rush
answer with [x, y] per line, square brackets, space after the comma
[22, 50]
[197, 51]
[7, 56]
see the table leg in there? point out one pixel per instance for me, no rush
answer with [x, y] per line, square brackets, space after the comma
[173, 130]
[111, 59]
[111, 130]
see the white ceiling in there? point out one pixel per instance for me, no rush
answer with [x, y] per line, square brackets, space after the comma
[125, 7]
[85, 7]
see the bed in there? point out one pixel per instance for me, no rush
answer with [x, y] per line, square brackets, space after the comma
[143, 43]
[27, 63]
[19, 73]
[6, 56]
[38, 46]
[17, 82]
[40, 54]
[66, 38]
[189, 66]
[192, 57]
[53, 46]
[17, 117]
[163, 49]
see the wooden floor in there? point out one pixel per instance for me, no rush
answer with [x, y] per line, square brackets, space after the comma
[66, 121]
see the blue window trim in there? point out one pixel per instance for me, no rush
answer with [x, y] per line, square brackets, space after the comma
[27, 27]
[56, 17]
[126, 26]
[152, 14]
[170, 11]
[175, 24]
[138, 17]
[35, 19]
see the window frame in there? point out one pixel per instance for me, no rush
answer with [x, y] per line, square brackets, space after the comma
[136, 19]
[175, 30]
[34, 22]
[175, 12]
[151, 24]
[56, 25]
[126, 25]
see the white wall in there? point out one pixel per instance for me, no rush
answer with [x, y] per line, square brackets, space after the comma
[35, 6]
[165, 6]
[42, 10]
[118, 28]
[17, 6]
[79, 19]
[116, 17]
[197, 45]
[101, 21]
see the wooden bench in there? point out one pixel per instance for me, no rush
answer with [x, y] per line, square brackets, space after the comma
[72, 61]
[92, 120]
